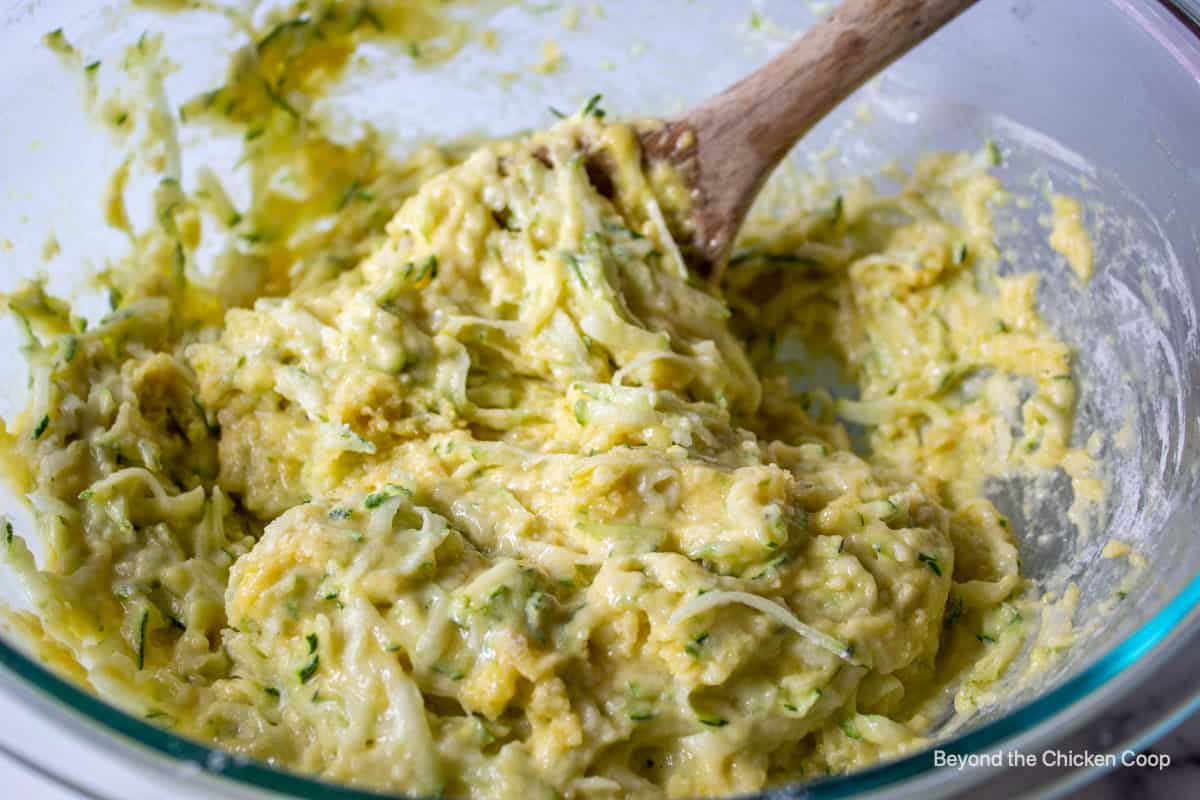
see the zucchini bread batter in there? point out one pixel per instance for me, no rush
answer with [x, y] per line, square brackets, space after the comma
[511, 505]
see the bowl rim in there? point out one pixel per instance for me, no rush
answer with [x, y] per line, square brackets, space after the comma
[173, 755]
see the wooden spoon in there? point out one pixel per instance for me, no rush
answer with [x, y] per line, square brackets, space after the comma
[725, 148]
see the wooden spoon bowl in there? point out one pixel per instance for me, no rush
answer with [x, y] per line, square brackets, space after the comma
[724, 148]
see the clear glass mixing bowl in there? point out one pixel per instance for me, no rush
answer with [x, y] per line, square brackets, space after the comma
[1097, 98]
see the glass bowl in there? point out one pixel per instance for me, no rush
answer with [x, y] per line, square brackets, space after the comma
[1100, 99]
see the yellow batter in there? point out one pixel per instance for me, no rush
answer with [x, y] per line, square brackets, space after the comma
[503, 503]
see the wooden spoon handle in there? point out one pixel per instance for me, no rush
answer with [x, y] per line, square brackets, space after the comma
[773, 107]
[732, 142]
